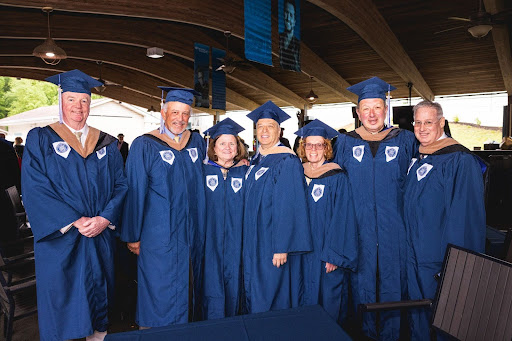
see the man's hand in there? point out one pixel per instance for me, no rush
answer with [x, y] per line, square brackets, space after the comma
[92, 227]
[330, 267]
[279, 259]
[134, 247]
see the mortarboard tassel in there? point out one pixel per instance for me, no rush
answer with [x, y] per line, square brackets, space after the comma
[162, 123]
[389, 105]
[59, 90]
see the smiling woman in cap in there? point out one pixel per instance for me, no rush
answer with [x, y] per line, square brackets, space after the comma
[276, 226]
[332, 217]
[164, 215]
[73, 189]
[376, 158]
[224, 180]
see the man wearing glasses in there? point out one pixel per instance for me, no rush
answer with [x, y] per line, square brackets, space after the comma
[444, 203]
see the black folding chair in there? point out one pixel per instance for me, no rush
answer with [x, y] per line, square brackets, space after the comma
[473, 300]
[17, 290]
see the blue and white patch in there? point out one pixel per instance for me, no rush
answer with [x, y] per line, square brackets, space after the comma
[358, 152]
[192, 152]
[248, 171]
[317, 192]
[101, 153]
[61, 148]
[423, 171]
[391, 153]
[212, 181]
[260, 172]
[167, 156]
[236, 184]
[413, 161]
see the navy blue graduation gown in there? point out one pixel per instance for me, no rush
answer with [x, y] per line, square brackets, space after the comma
[333, 228]
[275, 221]
[444, 203]
[377, 184]
[74, 273]
[164, 210]
[223, 244]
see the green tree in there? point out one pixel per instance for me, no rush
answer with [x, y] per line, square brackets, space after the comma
[6, 98]
[31, 94]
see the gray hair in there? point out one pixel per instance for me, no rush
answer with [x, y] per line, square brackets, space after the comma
[428, 104]
[166, 104]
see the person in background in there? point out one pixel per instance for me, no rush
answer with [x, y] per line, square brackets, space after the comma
[444, 203]
[18, 148]
[73, 187]
[332, 218]
[276, 226]
[376, 158]
[164, 215]
[283, 140]
[224, 176]
[122, 146]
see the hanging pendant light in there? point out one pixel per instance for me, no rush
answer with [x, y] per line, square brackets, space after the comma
[48, 51]
[311, 97]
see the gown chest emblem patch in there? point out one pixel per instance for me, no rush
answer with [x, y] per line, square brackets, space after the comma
[391, 153]
[248, 171]
[101, 153]
[192, 152]
[423, 171]
[358, 152]
[236, 184]
[212, 181]
[413, 161]
[61, 148]
[317, 192]
[260, 172]
[167, 156]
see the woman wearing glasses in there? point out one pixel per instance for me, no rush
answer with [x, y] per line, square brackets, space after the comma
[332, 218]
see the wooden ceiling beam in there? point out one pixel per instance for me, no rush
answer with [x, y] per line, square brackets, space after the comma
[128, 57]
[175, 39]
[202, 14]
[366, 20]
[501, 38]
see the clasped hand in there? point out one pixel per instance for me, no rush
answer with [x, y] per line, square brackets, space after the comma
[91, 227]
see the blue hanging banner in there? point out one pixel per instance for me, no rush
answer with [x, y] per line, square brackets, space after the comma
[218, 80]
[202, 74]
[289, 34]
[258, 31]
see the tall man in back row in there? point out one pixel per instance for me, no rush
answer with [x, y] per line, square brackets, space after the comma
[376, 158]
[73, 191]
[164, 215]
[444, 203]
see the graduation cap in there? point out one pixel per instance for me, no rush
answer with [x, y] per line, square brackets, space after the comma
[182, 95]
[268, 110]
[227, 126]
[317, 128]
[371, 88]
[73, 81]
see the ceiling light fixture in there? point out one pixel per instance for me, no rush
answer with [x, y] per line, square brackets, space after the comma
[48, 51]
[311, 97]
[154, 52]
[479, 31]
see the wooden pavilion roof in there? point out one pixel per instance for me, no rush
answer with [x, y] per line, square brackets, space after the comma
[343, 43]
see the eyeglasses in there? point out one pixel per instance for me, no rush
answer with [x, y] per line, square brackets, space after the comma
[426, 124]
[317, 146]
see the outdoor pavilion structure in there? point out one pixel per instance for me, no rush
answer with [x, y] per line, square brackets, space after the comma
[409, 44]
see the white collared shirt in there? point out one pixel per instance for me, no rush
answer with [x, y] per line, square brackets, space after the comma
[84, 131]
